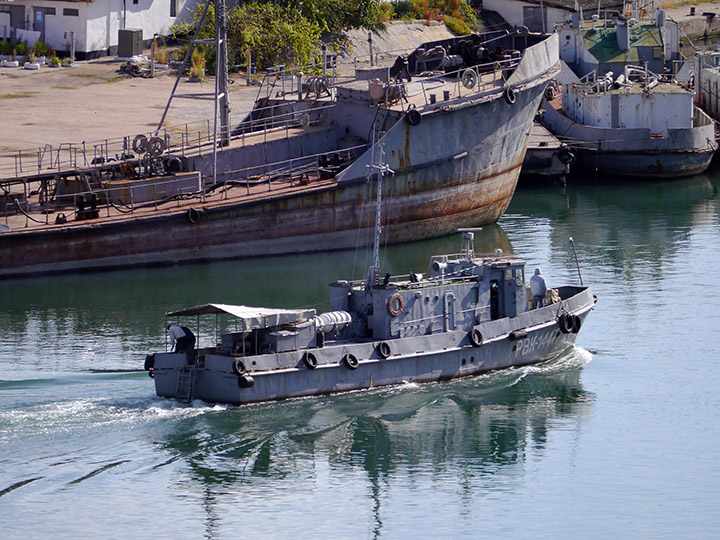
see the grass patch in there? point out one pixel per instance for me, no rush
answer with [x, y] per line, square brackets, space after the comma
[61, 87]
[25, 93]
[85, 75]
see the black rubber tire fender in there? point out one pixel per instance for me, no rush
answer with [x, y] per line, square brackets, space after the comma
[566, 323]
[509, 95]
[413, 117]
[475, 337]
[351, 361]
[239, 368]
[577, 323]
[383, 349]
[193, 215]
[310, 360]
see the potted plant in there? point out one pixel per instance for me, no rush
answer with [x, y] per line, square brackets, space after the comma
[12, 62]
[5, 50]
[67, 62]
[42, 51]
[32, 62]
[20, 52]
[197, 69]
[54, 61]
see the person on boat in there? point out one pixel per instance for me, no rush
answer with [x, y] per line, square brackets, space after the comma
[182, 337]
[538, 287]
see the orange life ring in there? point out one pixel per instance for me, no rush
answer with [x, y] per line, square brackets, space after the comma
[395, 305]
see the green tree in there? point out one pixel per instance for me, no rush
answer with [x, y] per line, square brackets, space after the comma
[273, 33]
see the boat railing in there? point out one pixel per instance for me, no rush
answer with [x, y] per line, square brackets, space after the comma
[475, 80]
[109, 198]
[196, 138]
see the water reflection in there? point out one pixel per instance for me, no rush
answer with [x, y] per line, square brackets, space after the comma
[111, 320]
[628, 228]
[470, 429]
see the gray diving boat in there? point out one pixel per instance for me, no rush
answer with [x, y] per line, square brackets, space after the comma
[467, 315]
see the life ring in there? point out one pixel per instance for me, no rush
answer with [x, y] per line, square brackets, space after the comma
[156, 146]
[351, 361]
[245, 381]
[577, 323]
[140, 144]
[383, 349]
[238, 368]
[509, 95]
[566, 323]
[475, 337]
[395, 304]
[310, 360]
[469, 79]
[413, 117]
[193, 215]
[305, 121]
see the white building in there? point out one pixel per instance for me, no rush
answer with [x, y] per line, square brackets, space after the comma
[92, 24]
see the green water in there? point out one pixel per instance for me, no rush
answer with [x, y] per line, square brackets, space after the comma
[615, 439]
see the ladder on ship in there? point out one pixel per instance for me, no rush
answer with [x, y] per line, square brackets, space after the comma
[184, 388]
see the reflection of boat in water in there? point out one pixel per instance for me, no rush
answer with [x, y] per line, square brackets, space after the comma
[616, 113]
[469, 314]
[484, 423]
[453, 118]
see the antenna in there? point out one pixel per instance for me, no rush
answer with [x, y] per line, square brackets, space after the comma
[572, 243]
[381, 169]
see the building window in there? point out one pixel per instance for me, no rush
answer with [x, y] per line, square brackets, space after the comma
[49, 11]
[173, 8]
[70, 12]
[135, 2]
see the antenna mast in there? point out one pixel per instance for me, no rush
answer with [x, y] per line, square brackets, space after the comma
[381, 169]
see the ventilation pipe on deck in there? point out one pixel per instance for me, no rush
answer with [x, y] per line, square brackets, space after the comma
[623, 35]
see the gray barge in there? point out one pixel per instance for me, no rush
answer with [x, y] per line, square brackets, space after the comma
[620, 110]
[454, 121]
[467, 315]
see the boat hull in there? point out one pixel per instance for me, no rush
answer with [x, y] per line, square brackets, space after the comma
[531, 337]
[635, 152]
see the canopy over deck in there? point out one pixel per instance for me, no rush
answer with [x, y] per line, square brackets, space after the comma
[251, 318]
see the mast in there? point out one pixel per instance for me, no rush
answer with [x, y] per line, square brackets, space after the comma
[221, 72]
[381, 169]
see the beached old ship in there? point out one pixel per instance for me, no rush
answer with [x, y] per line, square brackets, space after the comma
[453, 117]
[620, 109]
[467, 315]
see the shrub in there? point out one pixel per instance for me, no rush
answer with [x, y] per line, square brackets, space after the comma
[457, 26]
[5, 47]
[21, 48]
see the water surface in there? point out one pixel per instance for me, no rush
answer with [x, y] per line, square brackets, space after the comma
[615, 439]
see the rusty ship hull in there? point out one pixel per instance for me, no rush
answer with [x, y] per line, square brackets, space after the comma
[456, 166]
